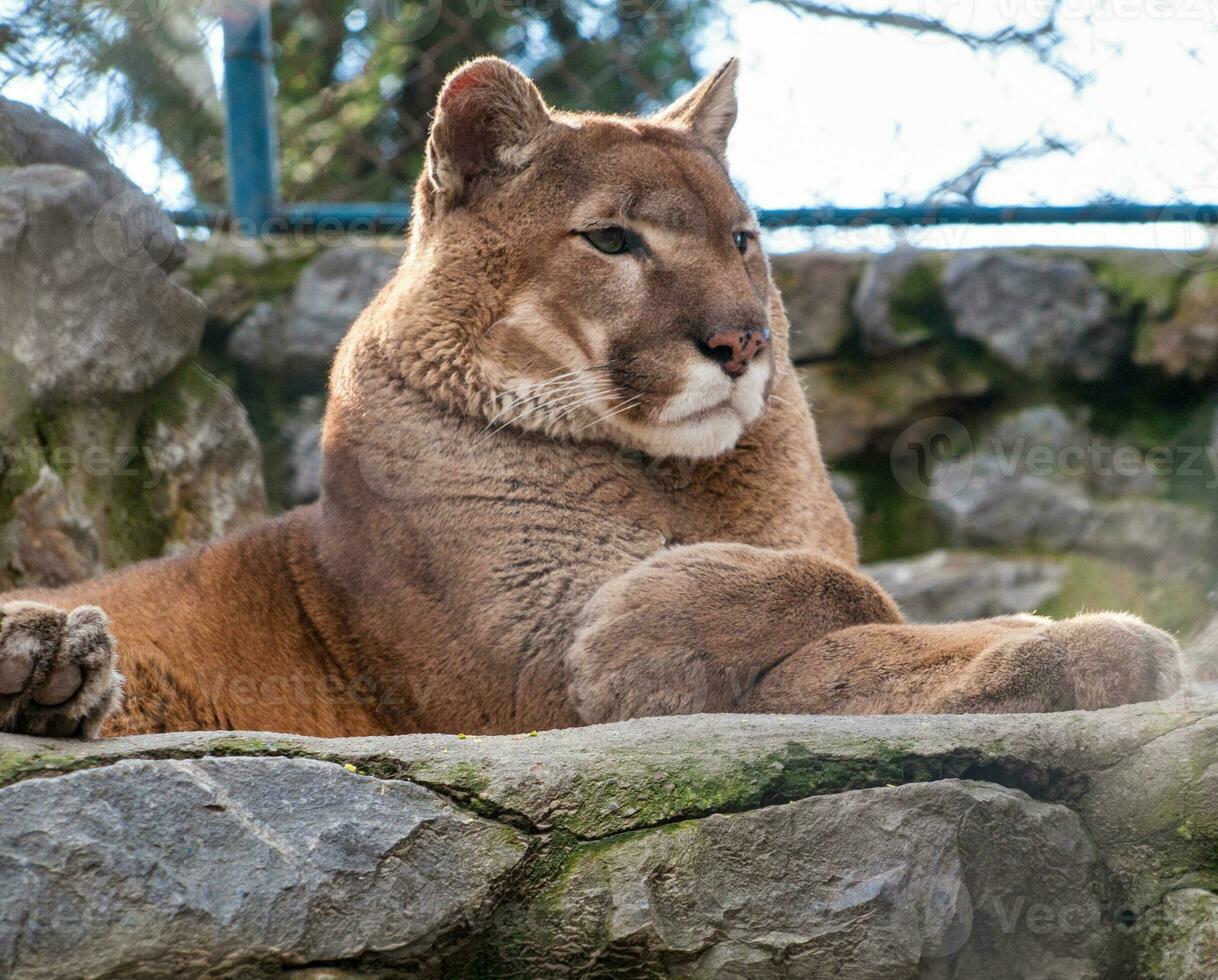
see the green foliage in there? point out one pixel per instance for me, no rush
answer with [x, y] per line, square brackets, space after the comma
[357, 79]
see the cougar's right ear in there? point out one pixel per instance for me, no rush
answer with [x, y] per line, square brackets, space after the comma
[487, 115]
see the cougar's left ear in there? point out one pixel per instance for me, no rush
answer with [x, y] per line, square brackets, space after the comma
[487, 115]
[709, 109]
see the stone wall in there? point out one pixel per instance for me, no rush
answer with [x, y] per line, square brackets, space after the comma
[1080, 845]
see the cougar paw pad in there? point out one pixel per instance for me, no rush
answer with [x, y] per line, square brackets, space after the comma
[57, 670]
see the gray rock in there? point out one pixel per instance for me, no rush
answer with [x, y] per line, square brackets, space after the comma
[180, 868]
[1201, 655]
[946, 586]
[29, 137]
[1181, 937]
[815, 289]
[85, 317]
[302, 442]
[330, 293]
[1035, 482]
[1041, 316]
[205, 466]
[885, 327]
[1043, 441]
[913, 875]
[51, 541]
[994, 508]
[847, 490]
[714, 845]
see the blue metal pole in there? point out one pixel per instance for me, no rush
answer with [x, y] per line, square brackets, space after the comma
[251, 142]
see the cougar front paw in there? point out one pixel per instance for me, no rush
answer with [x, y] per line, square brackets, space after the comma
[57, 670]
[1114, 659]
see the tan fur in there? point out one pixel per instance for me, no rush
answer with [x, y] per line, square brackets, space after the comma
[544, 502]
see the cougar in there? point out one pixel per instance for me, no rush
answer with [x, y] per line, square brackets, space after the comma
[570, 477]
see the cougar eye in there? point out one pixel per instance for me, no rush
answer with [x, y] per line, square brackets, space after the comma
[742, 239]
[611, 241]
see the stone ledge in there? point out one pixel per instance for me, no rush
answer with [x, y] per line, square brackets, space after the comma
[1079, 844]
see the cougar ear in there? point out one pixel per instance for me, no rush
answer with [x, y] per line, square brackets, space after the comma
[708, 110]
[487, 115]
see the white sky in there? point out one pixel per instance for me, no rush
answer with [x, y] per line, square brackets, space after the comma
[834, 112]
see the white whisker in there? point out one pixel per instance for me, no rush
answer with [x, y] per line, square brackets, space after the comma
[634, 402]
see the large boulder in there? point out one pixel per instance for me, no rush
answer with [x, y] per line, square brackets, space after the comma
[330, 293]
[240, 861]
[1041, 316]
[29, 137]
[84, 315]
[114, 446]
[1070, 845]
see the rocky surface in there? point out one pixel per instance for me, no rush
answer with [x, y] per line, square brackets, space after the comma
[85, 316]
[817, 286]
[1071, 845]
[885, 304]
[1033, 482]
[1038, 315]
[114, 446]
[330, 293]
[862, 406]
[1186, 344]
[945, 586]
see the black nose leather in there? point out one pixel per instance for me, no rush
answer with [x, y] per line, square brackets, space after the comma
[735, 348]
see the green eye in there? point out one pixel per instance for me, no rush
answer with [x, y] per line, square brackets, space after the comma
[611, 241]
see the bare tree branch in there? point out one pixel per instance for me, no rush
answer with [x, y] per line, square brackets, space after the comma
[965, 185]
[1043, 40]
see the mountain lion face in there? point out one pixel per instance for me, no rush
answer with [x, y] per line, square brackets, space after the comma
[624, 292]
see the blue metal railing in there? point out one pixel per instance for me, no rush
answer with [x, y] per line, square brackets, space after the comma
[254, 206]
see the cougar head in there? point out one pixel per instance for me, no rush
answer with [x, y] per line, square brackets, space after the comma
[605, 271]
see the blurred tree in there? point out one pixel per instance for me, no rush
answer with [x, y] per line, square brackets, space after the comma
[357, 78]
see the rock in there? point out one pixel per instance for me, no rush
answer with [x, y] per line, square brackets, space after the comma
[1181, 937]
[895, 301]
[994, 508]
[847, 490]
[83, 318]
[1030, 483]
[330, 293]
[1041, 316]
[29, 137]
[302, 439]
[354, 866]
[920, 877]
[946, 586]
[815, 289]
[1044, 441]
[205, 466]
[862, 406]
[50, 541]
[1186, 345]
[1067, 845]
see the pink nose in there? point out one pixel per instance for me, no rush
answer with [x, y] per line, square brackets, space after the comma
[734, 348]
